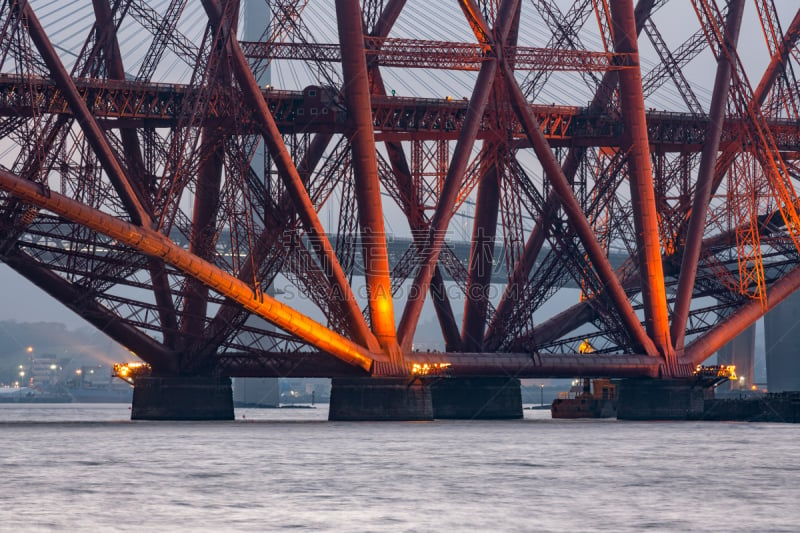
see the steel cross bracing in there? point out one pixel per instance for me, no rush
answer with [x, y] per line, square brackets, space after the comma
[644, 188]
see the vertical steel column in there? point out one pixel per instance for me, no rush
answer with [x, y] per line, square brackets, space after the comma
[484, 229]
[705, 179]
[402, 173]
[481, 258]
[94, 134]
[293, 182]
[572, 208]
[533, 245]
[204, 218]
[136, 170]
[452, 183]
[645, 215]
[365, 169]
[206, 206]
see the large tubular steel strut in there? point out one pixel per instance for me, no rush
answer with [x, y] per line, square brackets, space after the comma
[579, 314]
[294, 184]
[452, 183]
[204, 216]
[161, 358]
[154, 244]
[645, 214]
[574, 212]
[578, 221]
[484, 229]
[533, 245]
[481, 258]
[367, 185]
[700, 349]
[130, 143]
[94, 135]
[402, 173]
[705, 180]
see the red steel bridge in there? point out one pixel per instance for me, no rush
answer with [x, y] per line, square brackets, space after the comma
[134, 189]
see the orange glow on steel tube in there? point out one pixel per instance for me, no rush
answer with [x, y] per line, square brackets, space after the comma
[155, 244]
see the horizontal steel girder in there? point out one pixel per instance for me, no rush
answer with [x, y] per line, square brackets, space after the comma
[415, 53]
[123, 104]
[518, 365]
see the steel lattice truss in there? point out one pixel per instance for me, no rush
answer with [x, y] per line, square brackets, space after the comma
[152, 181]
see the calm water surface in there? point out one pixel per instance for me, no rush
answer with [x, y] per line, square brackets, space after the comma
[88, 468]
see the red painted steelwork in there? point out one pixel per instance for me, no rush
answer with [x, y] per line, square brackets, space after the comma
[645, 216]
[294, 185]
[705, 177]
[709, 223]
[154, 244]
[702, 348]
[85, 118]
[367, 186]
[458, 164]
[570, 205]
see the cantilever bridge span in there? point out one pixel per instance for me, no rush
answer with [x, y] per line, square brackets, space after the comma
[162, 176]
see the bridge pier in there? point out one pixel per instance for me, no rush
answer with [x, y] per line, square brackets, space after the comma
[477, 398]
[378, 399]
[182, 398]
[781, 329]
[660, 399]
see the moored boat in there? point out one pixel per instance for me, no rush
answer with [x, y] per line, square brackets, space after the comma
[595, 398]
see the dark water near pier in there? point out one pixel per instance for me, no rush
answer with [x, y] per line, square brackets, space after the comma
[87, 467]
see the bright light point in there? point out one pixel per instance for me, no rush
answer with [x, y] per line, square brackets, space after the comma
[585, 347]
[30, 349]
[129, 371]
[383, 305]
[425, 369]
[53, 367]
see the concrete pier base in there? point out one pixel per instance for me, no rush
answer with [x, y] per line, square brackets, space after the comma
[182, 398]
[380, 399]
[477, 398]
[660, 399]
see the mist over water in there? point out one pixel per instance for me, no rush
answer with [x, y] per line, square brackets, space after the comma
[87, 467]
